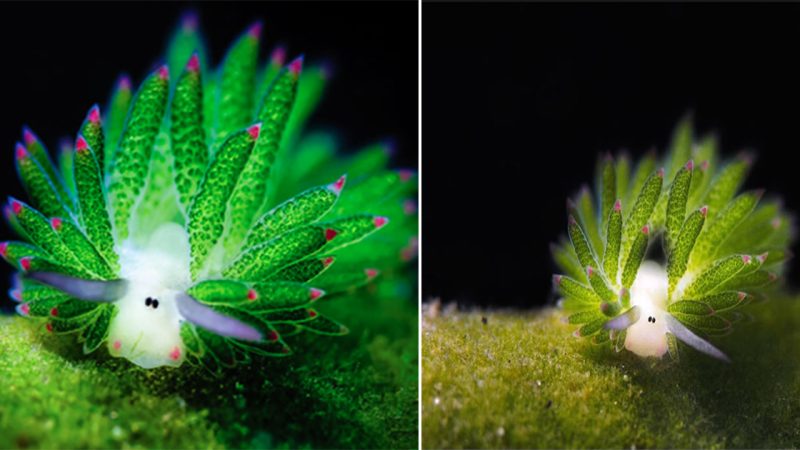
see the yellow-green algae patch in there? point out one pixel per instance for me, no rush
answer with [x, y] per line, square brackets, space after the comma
[358, 391]
[521, 380]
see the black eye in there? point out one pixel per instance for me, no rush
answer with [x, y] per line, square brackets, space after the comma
[155, 305]
[147, 301]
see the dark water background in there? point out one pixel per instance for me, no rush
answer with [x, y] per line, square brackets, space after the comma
[518, 99]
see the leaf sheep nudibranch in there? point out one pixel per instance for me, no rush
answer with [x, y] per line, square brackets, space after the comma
[718, 250]
[196, 222]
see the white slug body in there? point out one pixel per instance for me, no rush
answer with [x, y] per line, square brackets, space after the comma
[147, 332]
[648, 336]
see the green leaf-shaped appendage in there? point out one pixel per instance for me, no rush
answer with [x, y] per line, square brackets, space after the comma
[196, 221]
[716, 250]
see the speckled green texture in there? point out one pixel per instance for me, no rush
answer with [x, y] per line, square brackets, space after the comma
[39, 153]
[687, 210]
[356, 391]
[92, 131]
[131, 160]
[251, 190]
[189, 150]
[267, 258]
[38, 184]
[80, 245]
[237, 76]
[89, 185]
[307, 206]
[117, 113]
[520, 380]
[38, 228]
[206, 215]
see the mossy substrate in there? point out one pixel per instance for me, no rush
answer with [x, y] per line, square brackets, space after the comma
[356, 391]
[513, 379]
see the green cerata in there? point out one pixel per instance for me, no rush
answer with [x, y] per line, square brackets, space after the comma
[192, 220]
[669, 251]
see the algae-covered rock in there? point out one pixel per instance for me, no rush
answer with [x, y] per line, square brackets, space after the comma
[510, 379]
[356, 391]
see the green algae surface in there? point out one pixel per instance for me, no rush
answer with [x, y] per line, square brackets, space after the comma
[357, 391]
[522, 380]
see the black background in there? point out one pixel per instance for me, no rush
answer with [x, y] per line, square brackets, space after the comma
[58, 59]
[519, 99]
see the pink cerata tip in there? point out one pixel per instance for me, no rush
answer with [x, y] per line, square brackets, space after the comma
[380, 221]
[25, 263]
[94, 114]
[338, 185]
[194, 63]
[163, 72]
[175, 354]
[80, 144]
[330, 233]
[371, 273]
[55, 222]
[297, 65]
[618, 205]
[124, 83]
[690, 165]
[255, 30]
[254, 130]
[3, 249]
[28, 136]
[327, 261]
[316, 293]
[21, 152]
[252, 294]
[16, 206]
[278, 56]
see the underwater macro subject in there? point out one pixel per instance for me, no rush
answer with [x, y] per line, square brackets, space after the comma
[161, 231]
[610, 222]
[218, 252]
[661, 280]
[722, 250]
